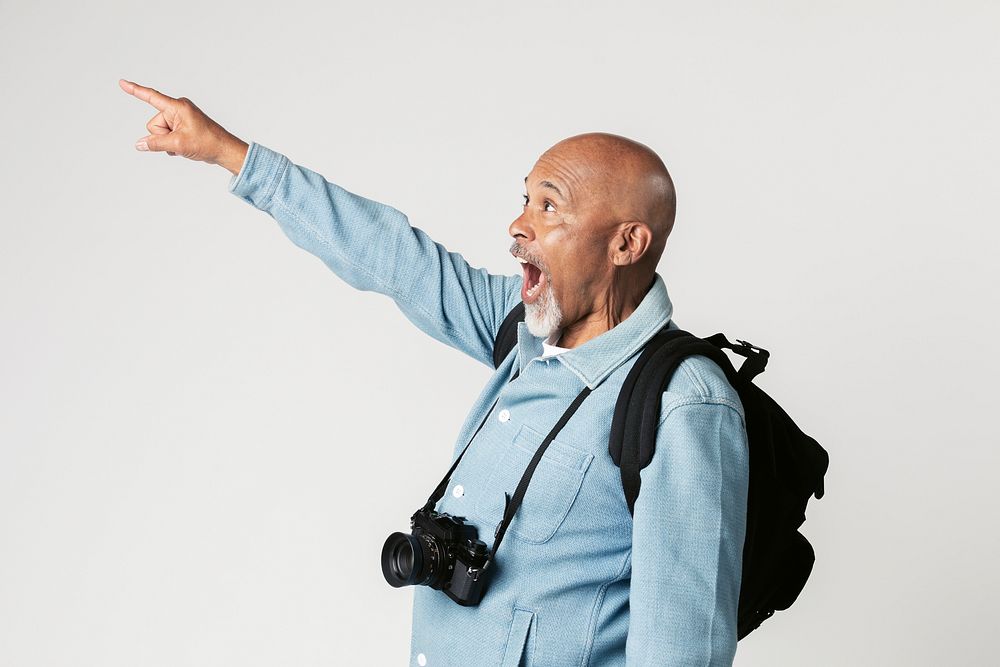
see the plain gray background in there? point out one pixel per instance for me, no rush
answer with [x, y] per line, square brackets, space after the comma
[205, 436]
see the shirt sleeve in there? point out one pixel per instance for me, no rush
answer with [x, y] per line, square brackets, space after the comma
[689, 522]
[373, 247]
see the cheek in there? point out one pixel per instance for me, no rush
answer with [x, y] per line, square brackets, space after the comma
[571, 273]
[572, 258]
[583, 269]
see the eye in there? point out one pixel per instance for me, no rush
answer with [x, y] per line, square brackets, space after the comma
[525, 199]
[547, 204]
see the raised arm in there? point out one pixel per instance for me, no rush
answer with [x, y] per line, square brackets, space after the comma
[371, 245]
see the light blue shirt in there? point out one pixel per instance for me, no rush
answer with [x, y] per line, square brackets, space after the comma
[578, 581]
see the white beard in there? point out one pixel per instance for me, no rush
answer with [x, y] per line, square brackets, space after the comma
[543, 317]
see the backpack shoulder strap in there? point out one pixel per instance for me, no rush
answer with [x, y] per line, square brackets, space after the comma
[632, 441]
[507, 335]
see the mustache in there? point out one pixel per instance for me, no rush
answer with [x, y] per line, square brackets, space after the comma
[516, 250]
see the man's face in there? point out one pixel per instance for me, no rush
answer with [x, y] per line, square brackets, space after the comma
[563, 234]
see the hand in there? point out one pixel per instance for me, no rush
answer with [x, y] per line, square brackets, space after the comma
[181, 128]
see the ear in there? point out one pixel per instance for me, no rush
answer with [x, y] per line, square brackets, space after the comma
[630, 242]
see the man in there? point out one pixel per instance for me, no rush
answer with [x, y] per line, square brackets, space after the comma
[578, 581]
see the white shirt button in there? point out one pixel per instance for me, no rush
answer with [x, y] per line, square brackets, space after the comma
[421, 659]
[458, 491]
[504, 416]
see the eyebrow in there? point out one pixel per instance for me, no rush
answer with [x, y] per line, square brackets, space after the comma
[548, 184]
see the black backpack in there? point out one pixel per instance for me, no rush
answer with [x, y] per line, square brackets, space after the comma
[786, 465]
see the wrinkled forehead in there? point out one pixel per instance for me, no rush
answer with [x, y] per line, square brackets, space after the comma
[575, 174]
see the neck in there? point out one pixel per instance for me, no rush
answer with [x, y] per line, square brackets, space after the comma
[620, 300]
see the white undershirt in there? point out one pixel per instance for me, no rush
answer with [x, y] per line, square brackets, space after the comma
[549, 349]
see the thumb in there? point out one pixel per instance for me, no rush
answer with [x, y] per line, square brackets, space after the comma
[157, 142]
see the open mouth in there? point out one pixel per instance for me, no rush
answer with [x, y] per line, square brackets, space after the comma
[534, 279]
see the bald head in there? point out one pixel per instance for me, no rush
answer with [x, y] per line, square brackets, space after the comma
[625, 177]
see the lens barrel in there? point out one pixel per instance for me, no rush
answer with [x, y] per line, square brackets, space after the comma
[406, 560]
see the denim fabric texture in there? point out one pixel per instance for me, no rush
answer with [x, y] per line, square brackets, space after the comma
[578, 581]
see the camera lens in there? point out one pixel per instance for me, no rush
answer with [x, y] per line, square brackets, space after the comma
[406, 560]
[402, 560]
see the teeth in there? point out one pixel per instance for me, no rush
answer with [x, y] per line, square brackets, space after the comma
[522, 260]
[533, 290]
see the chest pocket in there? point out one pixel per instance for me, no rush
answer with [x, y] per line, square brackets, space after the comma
[551, 491]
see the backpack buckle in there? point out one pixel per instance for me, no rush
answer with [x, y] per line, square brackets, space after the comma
[756, 359]
[746, 348]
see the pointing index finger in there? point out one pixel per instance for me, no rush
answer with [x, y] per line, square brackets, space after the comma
[153, 97]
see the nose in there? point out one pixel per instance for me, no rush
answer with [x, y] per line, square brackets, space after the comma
[521, 228]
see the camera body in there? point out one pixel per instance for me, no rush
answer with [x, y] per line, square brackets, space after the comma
[441, 551]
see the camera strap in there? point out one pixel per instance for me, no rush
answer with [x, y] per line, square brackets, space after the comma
[439, 491]
[511, 503]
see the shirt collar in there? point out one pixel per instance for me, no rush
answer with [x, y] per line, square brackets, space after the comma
[596, 359]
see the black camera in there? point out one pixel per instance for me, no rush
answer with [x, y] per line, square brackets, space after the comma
[442, 552]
